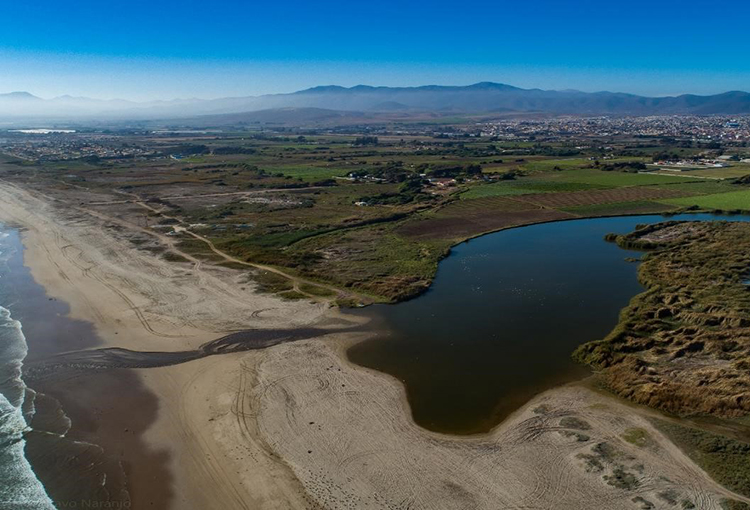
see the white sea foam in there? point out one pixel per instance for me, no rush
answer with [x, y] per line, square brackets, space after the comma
[20, 488]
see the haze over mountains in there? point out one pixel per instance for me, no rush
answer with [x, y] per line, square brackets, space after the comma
[334, 101]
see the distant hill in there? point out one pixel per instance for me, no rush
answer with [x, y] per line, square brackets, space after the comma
[480, 98]
[19, 96]
[283, 116]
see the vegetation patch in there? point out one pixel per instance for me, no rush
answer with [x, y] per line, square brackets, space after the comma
[198, 249]
[572, 422]
[613, 179]
[292, 295]
[316, 290]
[727, 460]
[271, 282]
[643, 503]
[731, 504]
[622, 479]
[734, 200]
[637, 436]
[172, 256]
[524, 187]
[598, 197]
[683, 345]
[620, 208]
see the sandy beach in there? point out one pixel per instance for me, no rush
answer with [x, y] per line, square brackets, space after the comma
[296, 425]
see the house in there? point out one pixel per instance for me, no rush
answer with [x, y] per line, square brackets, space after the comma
[443, 182]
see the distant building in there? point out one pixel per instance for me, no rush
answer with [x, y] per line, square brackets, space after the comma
[442, 181]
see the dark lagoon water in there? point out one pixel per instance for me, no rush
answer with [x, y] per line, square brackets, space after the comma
[502, 318]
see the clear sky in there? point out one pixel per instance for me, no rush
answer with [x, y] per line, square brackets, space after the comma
[138, 49]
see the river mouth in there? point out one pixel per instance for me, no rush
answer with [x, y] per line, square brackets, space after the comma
[502, 318]
[75, 445]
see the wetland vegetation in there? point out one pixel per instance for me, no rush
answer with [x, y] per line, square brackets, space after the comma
[683, 345]
[370, 214]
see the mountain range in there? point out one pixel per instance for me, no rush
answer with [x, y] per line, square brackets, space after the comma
[329, 102]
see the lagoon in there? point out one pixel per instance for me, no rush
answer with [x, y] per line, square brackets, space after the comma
[502, 318]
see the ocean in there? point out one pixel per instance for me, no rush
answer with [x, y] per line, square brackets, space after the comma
[20, 488]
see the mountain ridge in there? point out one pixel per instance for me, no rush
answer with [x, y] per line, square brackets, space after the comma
[477, 98]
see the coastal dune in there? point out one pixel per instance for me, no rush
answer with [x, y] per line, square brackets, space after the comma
[295, 425]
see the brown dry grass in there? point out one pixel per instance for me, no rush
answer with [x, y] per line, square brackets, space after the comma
[468, 218]
[683, 346]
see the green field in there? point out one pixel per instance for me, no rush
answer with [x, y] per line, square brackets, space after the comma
[635, 207]
[612, 179]
[549, 165]
[534, 165]
[524, 187]
[702, 187]
[739, 200]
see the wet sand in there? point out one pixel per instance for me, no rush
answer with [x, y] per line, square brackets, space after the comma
[102, 458]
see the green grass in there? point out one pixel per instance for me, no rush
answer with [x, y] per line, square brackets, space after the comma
[268, 240]
[548, 165]
[374, 261]
[726, 460]
[292, 295]
[552, 165]
[733, 200]
[172, 256]
[316, 290]
[308, 173]
[730, 504]
[524, 187]
[612, 179]
[573, 180]
[702, 187]
[271, 282]
[637, 436]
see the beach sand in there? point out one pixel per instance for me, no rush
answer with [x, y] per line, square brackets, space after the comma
[140, 302]
[296, 425]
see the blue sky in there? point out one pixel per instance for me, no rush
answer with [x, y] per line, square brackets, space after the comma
[164, 49]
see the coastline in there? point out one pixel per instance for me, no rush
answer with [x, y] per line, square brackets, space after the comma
[299, 426]
[197, 474]
[76, 444]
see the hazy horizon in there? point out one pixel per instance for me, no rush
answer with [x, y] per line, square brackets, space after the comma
[185, 50]
[373, 85]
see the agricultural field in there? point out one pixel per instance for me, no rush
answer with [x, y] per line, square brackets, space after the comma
[733, 200]
[735, 170]
[369, 216]
[613, 179]
[524, 187]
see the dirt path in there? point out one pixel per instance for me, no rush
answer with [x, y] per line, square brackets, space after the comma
[338, 293]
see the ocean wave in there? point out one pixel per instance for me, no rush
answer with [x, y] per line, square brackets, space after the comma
[20, 488]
